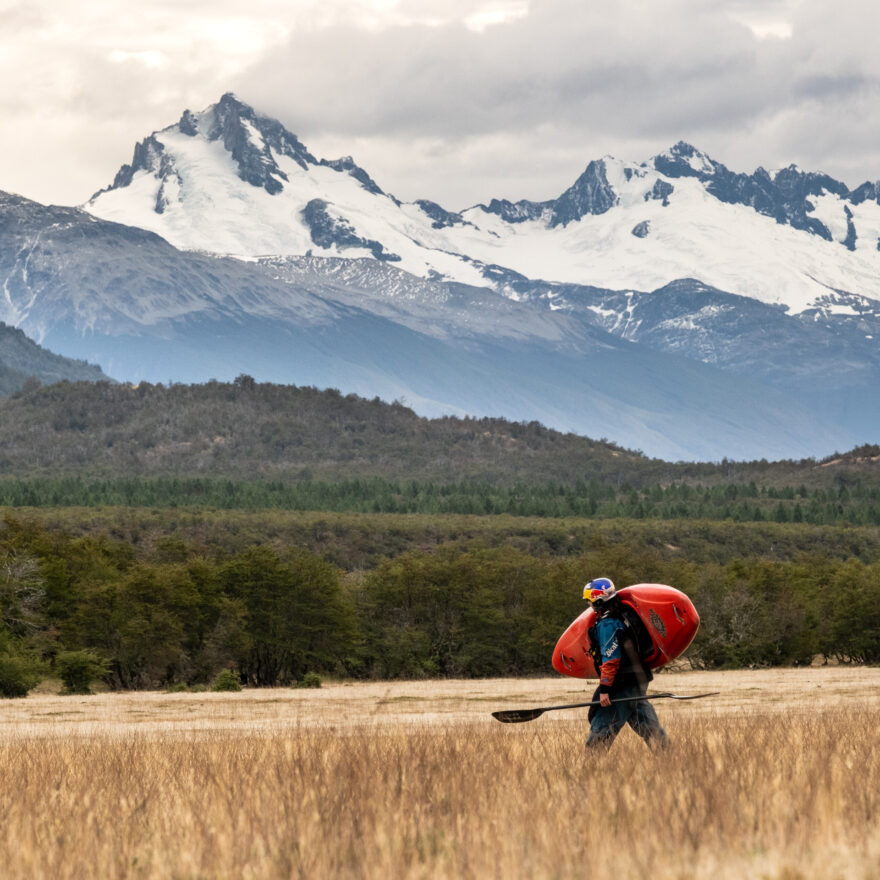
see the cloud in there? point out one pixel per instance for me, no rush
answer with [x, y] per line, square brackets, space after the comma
[564, 60]
[589, 75]
[455, 100]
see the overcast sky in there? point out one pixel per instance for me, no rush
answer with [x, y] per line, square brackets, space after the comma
[458, 101]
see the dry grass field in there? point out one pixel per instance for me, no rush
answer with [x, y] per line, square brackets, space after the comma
[776, 778]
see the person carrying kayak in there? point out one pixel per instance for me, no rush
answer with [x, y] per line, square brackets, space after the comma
[622, 674]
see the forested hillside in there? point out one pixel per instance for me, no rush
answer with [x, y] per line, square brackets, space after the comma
[162, 535]
[23, 363]
[252, 431]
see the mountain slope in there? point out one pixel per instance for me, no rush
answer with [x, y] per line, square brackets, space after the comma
[826, 358]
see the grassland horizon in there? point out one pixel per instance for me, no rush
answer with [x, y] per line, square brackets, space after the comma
[777, 778]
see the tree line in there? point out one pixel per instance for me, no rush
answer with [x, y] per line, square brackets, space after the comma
[176, 616]
[855, 505]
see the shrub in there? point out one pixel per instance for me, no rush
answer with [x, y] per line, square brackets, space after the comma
[18, 675]
[78, 669]
[227, 680]
[309, 680]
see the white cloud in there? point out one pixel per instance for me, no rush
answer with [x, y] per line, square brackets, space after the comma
[151, 58]
[495, 15]
[454, 100]
[766, 19]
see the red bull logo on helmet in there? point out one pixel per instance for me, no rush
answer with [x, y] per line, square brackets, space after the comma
[599, 589]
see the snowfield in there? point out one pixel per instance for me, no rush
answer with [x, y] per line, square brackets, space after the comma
[193, 195]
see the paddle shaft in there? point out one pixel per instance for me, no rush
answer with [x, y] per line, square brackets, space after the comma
[518, 715]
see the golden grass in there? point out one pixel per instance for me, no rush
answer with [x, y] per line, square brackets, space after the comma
[778, 778]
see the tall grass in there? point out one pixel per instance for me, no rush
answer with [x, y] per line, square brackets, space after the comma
[766, 793]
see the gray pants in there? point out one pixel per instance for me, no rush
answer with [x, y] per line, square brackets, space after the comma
[608, 721]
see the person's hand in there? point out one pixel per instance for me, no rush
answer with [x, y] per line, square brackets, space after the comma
[604, 700]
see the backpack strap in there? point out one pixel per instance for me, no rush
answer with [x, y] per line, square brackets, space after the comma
[595, 654]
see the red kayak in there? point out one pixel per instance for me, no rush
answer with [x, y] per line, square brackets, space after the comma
[668, 615]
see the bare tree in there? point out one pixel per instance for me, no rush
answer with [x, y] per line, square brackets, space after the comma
[21, 593]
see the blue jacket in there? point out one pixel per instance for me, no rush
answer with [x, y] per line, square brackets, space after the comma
[609, 635]
[616, 655]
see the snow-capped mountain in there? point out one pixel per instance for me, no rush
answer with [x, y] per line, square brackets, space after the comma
[230, 181]
[672, 306]
[144, 310]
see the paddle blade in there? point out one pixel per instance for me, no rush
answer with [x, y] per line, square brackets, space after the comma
[514, 716]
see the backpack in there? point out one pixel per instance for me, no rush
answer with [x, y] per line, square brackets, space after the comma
[645, 647]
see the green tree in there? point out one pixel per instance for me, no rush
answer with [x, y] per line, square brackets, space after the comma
[850, 612]
[226, 680]
[79, 669]
[20, 671]
[489, 611]
[135, 619]
[297, 617]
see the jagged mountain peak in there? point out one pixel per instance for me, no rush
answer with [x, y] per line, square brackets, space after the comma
[812, 202]
[230, 100]
[591, 193]
[256, 143]
[211, 121]
[868, 191]
[228, 110]
[685, 160]
[796, 185]
[234, 181]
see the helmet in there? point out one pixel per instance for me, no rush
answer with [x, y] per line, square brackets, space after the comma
[599, 590]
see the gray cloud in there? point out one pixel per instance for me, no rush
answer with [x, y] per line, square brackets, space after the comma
[565, 57]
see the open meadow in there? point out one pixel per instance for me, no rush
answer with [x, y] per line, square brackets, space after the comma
[778, 777]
